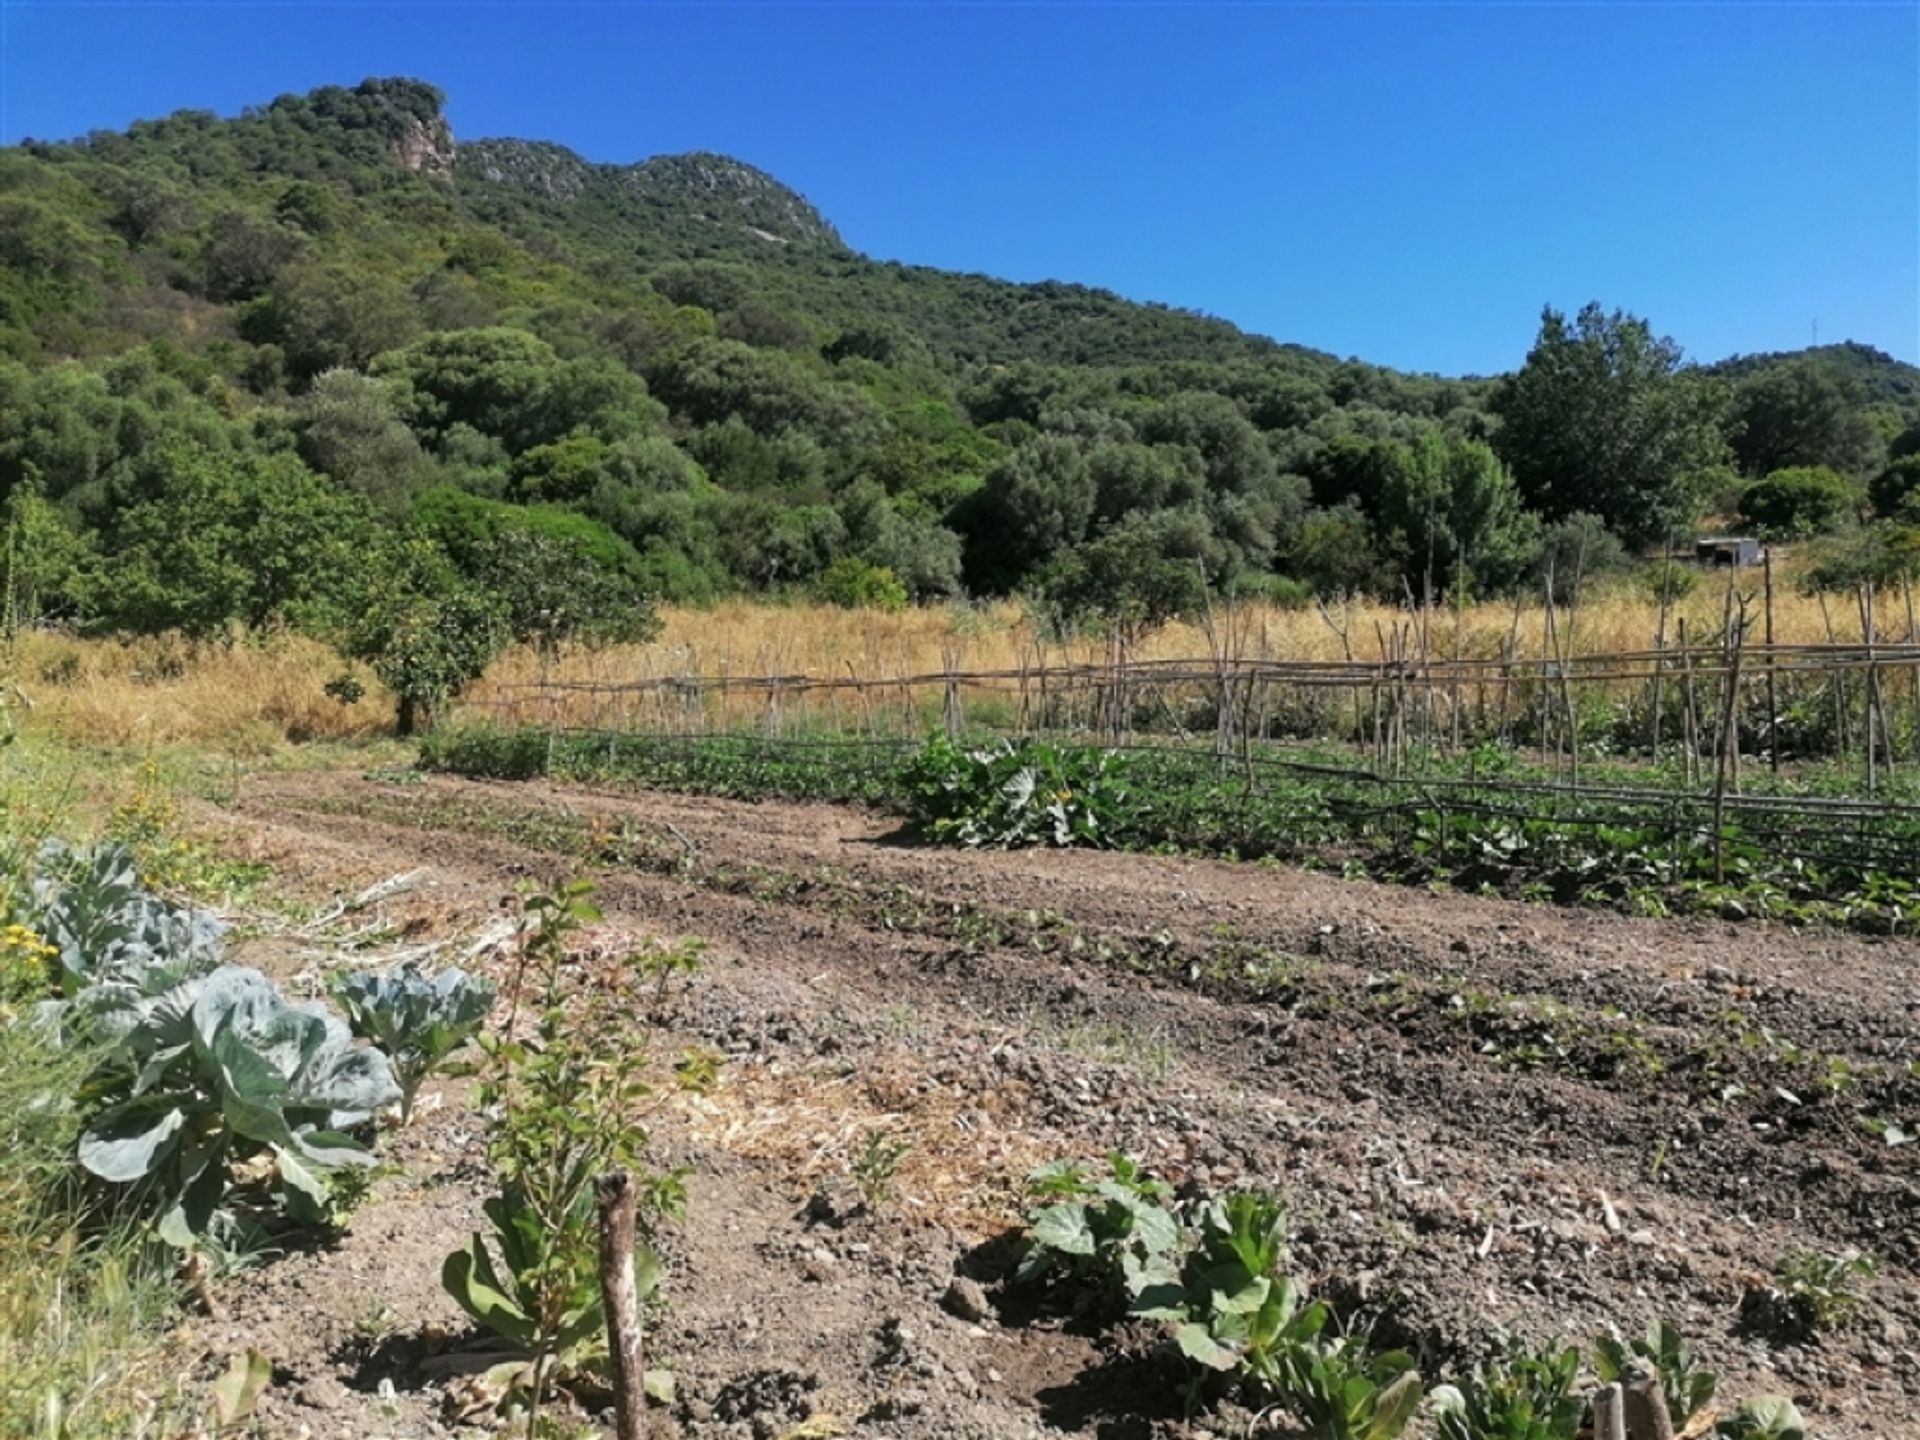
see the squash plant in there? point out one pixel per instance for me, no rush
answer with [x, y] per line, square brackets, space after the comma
[1017, 792]
[1231, 1308]
[1114, 1231]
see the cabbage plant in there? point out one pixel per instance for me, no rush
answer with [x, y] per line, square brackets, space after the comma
[419, 1020]
[107, 929]
[217, 1071]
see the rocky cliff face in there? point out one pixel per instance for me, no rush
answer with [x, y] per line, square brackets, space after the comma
[425, 147]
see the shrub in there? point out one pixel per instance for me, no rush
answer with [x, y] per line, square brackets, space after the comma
[853, 584]
[1793, 504]
[1893, 490]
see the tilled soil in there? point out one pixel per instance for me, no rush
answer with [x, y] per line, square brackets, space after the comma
[1485, 1116]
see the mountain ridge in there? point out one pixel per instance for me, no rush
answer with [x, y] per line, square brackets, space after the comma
[744, 201]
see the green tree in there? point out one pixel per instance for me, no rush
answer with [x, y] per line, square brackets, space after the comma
[922, 555]
[1805, 413]
[348, 429]
[1135, 576]
[243, 253]
[512, 388]
[1334, 552]
[424, 630]
[1600, 419]
[1036, 502]
[1444, 504]
[324, 317]
[1884, 554]
[47, 560]
[1574, 552]
[231, 539]
[549, 592]
[1895, 488]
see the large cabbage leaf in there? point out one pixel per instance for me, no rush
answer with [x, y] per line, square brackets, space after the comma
[221, 1069]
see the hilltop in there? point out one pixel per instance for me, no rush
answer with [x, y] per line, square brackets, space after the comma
[679, 368]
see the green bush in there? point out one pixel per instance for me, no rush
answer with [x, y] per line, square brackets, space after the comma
[1896, 489]
[853, 584]
[1793, 504]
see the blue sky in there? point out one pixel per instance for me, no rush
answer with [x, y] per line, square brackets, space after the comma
[1405, 183]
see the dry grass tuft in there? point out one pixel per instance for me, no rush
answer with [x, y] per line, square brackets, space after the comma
[252, 696]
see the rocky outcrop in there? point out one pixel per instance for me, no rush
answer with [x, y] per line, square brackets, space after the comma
[536, 165]
[728, 192]
[425, 147]
[699, 186]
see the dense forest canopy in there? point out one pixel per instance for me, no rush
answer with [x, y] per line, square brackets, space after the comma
[320, 365]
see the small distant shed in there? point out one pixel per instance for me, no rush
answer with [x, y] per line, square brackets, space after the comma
[1733, 551]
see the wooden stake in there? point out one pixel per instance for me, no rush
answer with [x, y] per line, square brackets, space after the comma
[1773, 694]
[1644, 1405]
[1609, 1413]
[1659, 649]
[618, 1201]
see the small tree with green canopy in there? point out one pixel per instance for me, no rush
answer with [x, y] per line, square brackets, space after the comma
[1036, 502]
[1446, 505]
[471, 577]
[1333, 552]
[1600, 419]
[424, 630]
[229, 539]
[347, 429]
[1896, 489]
[1573, 552]
[1133, 577]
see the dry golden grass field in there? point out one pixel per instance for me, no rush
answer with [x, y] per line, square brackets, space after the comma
[252, 695]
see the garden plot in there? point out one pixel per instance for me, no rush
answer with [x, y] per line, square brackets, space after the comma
[1482, 1115]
